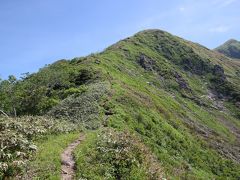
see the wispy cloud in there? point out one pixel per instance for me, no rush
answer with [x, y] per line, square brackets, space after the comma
[224, 3]
[219, 29]
[228, 2]
[182, 9]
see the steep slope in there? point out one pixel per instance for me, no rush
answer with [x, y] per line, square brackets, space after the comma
[153, 93]
[231, 48]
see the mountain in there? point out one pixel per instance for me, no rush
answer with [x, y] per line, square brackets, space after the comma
[231, 48]
[153, 106]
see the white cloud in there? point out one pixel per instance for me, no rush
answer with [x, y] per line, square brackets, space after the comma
[219, 29]
[224, 3]
[182, 9]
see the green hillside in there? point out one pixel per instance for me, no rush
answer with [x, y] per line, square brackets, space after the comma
[231, 48]
[152, 106]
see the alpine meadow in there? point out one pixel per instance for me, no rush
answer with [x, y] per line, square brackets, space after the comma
[151, 106]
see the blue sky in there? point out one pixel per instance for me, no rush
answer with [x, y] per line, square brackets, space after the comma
[38, 32]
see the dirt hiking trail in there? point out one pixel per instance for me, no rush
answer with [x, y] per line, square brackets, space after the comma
[67, 160]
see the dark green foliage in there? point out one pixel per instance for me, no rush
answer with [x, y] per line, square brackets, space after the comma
[37, 93]
[8, 95]
[83, 77]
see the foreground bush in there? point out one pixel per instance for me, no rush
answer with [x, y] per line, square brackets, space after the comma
[17, 136]
[116, 155]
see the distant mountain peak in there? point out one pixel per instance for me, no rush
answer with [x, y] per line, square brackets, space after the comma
[232, 41]
[230, 48]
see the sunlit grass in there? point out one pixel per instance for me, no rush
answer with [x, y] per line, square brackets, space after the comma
[46, 164]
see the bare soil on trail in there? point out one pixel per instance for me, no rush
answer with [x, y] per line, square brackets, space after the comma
[67, 160]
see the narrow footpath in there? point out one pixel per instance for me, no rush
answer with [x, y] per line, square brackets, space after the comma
[67, 160]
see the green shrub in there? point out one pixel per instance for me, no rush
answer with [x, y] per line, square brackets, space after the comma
[74, 90]
[116, 155]
[17, 136]
[83, 108]
[83, 77]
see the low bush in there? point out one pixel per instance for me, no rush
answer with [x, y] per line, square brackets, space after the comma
[83, 108]
[116, 155]
[17, 137]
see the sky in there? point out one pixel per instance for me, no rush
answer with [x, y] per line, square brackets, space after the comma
[34, 33]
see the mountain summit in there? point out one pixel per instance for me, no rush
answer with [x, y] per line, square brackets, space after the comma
[156, 106]
[231, 48]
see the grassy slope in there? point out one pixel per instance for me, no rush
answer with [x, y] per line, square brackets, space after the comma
[181, 133]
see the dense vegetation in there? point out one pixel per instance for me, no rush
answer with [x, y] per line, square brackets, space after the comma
[154, 104]
[115, 155]
[18, 136]
[231, 48]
